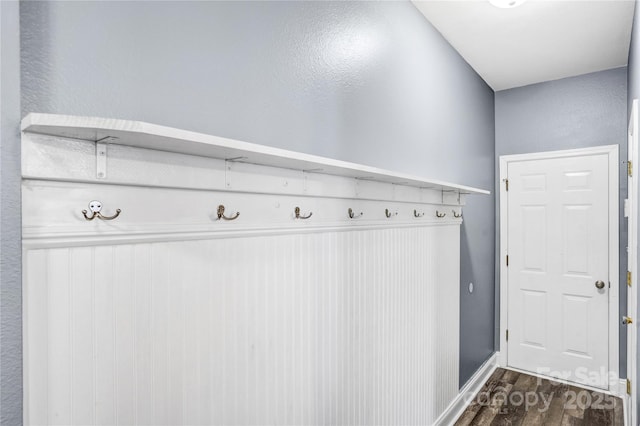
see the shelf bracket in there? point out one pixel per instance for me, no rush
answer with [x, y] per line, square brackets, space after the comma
[450, 197]
[101, 160]
[101, 156]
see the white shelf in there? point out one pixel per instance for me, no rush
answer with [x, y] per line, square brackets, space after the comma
[152, 136]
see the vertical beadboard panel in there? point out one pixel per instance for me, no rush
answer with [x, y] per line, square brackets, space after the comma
[36, 314]
[125, 323]
[160, 319]
[81, 329]
[104, 336]
[335, 328]
[177, 275]
[143, 307]
[59, 359]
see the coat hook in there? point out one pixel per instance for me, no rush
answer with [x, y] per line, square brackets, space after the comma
[297, 212]
[456, 215]
[416, 214]
[352, 215]
[387, 213]
[222, 216]
[95, 206]
[438, 214]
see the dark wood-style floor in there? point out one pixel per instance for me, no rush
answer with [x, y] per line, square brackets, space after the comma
[512, 398]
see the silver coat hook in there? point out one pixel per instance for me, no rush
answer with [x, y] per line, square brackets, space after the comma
[438, 214]
[388, 214]
[352, 215]
[456, 214]
[222, 216]
[95, 206]
[416, 214]
[298, 216]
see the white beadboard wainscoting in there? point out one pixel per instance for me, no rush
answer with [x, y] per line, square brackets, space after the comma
[167, 315]
[322, 328]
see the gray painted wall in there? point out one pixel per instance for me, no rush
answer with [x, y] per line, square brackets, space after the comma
[10, 250]
[633, 92]
[577, 112]
[369, 82]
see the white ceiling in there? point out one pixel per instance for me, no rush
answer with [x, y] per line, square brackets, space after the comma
[540, 40]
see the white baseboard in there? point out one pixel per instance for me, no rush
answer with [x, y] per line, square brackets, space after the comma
[468, 391]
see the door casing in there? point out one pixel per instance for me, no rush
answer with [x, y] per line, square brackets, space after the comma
[614, 318]
[632, 263]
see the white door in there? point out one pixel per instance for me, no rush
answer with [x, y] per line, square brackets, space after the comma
[558, 271]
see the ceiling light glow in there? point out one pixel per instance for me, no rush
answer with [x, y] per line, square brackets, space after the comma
[506, 4]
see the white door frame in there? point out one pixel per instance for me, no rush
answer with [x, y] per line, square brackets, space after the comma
[632, 293]
[614, 318]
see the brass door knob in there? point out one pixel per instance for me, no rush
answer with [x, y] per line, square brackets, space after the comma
[599, 285]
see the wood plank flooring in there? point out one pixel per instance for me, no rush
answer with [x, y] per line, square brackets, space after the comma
[512, 398]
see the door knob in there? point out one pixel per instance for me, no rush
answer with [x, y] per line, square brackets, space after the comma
[599, 285]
